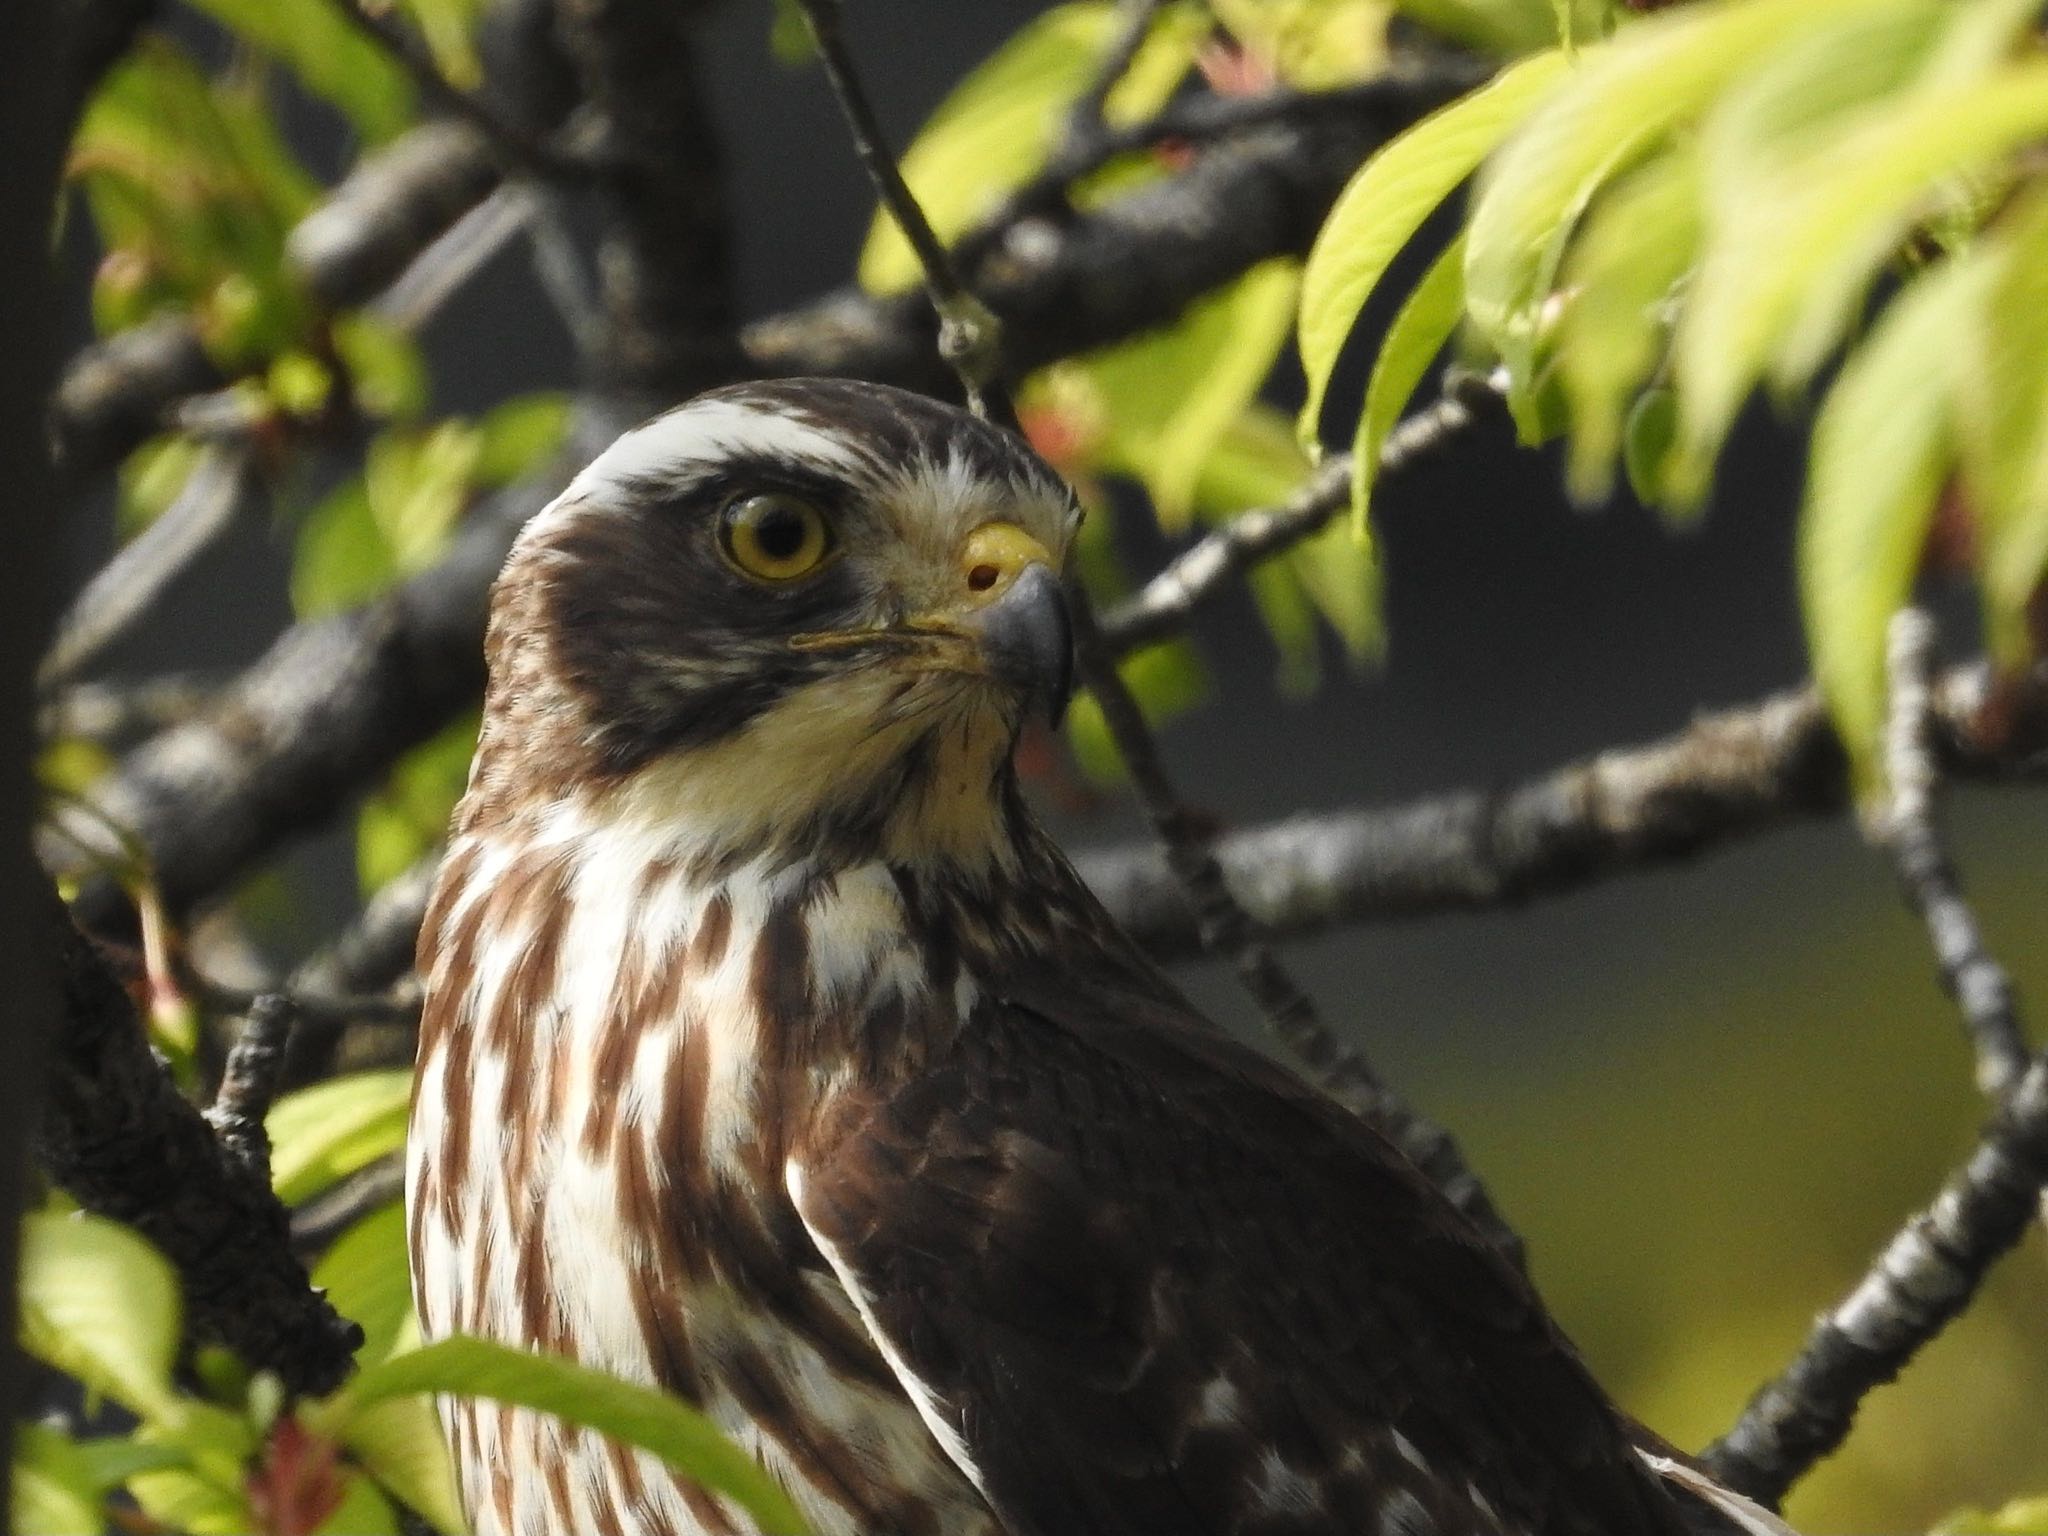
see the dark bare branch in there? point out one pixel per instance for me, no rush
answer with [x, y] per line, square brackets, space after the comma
[1924, 1278]
[119, 1137]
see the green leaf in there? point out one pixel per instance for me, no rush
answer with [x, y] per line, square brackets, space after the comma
[449, 28]
[363, 1510]
[520, 435]
[152, 477]
[1387, 202]
[398, 1442]
[1880, 457]
[1168, 398]
[101, 1305]
[341, 558]
[410, 813]
[53, 1491]
[1166, 680]
[1622, 278]
[395, 521]
[1651, 432]
[1625, 96]
[331, 58]
[324, 1133]
[1417, 335]
[386, 372]
[2022, 1517]
[365, 1276]
[998, 125]
[683, 1438]
[2001, 378]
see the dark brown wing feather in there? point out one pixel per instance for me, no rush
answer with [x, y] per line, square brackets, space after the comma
[1158, 1286]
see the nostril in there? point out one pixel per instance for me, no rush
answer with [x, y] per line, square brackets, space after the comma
[982, 577]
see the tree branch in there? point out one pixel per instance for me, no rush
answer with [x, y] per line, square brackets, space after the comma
[1925, 1277]
[119, 1137]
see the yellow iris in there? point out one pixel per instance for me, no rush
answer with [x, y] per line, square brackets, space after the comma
[774, 537]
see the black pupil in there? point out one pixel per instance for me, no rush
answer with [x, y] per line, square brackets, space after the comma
[780, 533]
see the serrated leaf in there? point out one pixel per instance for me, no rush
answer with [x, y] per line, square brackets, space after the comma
[331, 59]
[996, 127]
[1418, 333]
[683, 1438]
[1880, 457]
[324, 1133]
[1625, 96]
[101, 1305]
[366, 1277]
[1395, 191]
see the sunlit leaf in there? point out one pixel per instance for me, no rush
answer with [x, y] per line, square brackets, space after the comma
[324, 1133]
[519, 436]
[367, 1280]
[1165, 680]
[53, 1492]
[1387, 202]
[449, 27]
[1167, 398]
[683, 1438]
[1417, 334]
[1625, 95]
[363, 1511]
[2022, 1517]
[1310, 44]
[2002, 389]
[101, 1305]
[331, 58]
[1880, 456]
[998, 124]
[410, 813]
[386, 373]
[398, 1442]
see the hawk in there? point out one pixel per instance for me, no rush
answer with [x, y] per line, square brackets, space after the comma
[774, 1056]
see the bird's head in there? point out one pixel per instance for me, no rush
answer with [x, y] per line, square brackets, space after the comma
[786, 612]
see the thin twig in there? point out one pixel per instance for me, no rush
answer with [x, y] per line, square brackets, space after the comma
[249, 1085]
[1925, 1277]
[1227, 932]
[370, 1188]
[520, 150]
[1162, 606]
[447, 265]
[970, 336]
[127, 586]
[1981, 987]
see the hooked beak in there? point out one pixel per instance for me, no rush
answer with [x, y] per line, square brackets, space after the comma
[1027, 639]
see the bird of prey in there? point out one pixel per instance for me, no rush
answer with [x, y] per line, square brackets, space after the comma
[774, 1056]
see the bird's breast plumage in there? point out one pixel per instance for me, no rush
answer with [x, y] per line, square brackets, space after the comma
[620, 1043]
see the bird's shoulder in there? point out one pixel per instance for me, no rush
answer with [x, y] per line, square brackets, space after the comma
[1100, 1224]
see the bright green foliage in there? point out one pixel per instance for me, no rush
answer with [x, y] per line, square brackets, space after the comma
[101, 1305]
[365, 1276]
[999, 124]
[331, 58]
[1387, 202]
[324, 1133]
[1417, 334]
[680, 1435]
[1309, 44]
[1707, 203]
[1510, 27]
[409, 815]
[192, 191]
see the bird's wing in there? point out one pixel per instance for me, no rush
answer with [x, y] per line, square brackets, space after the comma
[1140, 1280]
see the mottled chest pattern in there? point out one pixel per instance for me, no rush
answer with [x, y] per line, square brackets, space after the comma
[619, 1052]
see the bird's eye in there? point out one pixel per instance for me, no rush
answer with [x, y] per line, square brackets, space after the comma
[773, 537]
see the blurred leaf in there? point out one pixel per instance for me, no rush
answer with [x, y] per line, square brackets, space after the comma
[1166, 680]
[1647, 442]
[1386, 203]
[1311, 44]
[101, 1305]
[996, 127]
[299, 383]
[1167, 398]
[321, 1134]
[1640, 241]
[449, 27]
[410, 813]
[1417, 335]
[71, 765]
[341, 557]
[366, 1278]
[1879, 459]
[789, 35]
[1625, 95]
[1792, 255]
[685, 1439]
[53, 1492]
[398, 1442]
[2022, 1517]
[152, 478]
[363, 1511]
[331, 58]
[386, 372]
[1510, 27]
[392, 522]
[516, 438]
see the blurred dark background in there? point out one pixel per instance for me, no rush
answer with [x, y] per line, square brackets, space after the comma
[1706, 1094]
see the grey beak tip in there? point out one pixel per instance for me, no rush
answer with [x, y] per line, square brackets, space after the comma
[1027, 637]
